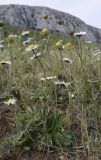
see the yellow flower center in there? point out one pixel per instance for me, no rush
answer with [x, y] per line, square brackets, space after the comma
[31, 46]
[68, 45]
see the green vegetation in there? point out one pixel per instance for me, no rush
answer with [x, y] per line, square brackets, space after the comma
[50, 97]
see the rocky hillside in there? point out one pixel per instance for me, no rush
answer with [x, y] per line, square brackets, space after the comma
[41, 17]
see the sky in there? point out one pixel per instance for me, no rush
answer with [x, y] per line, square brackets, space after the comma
[87, 10]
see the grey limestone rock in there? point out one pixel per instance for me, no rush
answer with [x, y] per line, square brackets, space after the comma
[33, 17]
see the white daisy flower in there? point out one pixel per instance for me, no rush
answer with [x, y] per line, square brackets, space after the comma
[5, 62]
[67, 60]
[78, 34]
[48, 78]
[31, 47]
[26, 42]
[42, 79]
[29, 40]
[36, 55]
[66, 84]
[10, 101]
[24, 33]
[97, 52]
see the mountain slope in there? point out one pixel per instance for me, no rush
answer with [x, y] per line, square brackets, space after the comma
[32, 17]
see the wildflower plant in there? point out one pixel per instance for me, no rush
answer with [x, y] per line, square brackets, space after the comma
[50, 93]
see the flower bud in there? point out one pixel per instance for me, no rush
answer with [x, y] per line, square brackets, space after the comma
[59, 45]
[44, 32]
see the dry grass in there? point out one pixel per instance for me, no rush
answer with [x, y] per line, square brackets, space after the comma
[50, 121]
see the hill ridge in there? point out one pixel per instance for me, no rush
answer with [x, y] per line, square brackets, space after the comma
[32, 17]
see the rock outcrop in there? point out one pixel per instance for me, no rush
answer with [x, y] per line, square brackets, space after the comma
[33, 17]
